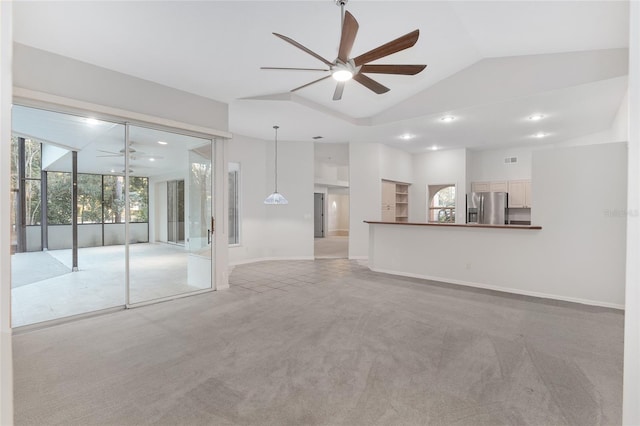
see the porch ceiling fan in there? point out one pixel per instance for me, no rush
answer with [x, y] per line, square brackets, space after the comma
[133, 153]
[345, 68]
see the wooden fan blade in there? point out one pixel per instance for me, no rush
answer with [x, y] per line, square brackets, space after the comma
[294, 69]
[393, 69]
[370, 84]
[337, 95]
[401, 43]
[301, 47]
[309, 84]
[349, 31]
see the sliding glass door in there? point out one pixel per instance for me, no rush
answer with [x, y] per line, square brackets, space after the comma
[177, 257]
[105, 215]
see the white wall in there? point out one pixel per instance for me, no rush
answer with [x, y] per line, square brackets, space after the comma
[577, 257]
[366, 192]
[46, 72]
[273, 232]
[631, 393]
[289, 228]
[6, 364]
[437, 168]
[489, 165]
[251, 155]
[338, 213]
[395, 165]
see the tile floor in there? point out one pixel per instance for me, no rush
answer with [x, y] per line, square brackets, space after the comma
[156, 271]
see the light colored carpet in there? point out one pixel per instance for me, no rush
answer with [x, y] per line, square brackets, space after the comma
[331, 343]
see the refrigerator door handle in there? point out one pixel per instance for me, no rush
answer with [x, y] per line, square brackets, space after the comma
[481, 209]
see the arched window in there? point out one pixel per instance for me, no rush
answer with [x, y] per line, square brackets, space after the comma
[442, 204]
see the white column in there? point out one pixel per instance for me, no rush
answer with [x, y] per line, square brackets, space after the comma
[6, 365]
[631, 395]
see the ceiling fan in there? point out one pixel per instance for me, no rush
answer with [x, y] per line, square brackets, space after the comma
[345, 68]
[133, 153]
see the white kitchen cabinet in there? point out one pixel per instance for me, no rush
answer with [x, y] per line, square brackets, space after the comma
[496, 186]
[519, 194]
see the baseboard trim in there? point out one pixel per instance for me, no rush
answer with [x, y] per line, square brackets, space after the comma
[503, 289]
[358, 257]
[266, 259]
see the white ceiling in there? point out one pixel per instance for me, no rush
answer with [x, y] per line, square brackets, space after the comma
[491, 64]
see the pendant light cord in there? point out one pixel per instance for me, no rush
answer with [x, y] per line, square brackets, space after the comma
[276, 172]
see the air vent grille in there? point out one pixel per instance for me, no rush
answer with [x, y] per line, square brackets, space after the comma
[510, 160]
[317, 137]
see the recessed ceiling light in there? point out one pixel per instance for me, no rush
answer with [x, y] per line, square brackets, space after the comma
[536, 117]
[152, 159]
[113, 171]
[163, 142]
[91, 121]
[541, 135]
[434, 148]
[407, 136]
[447, 118]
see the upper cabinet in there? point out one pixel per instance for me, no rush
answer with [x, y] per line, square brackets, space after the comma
[497, 186]
[519, 193]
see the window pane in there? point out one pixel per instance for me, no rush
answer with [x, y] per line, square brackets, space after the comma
[32, 202]
[32, 159]
[89, 198]
[14, 162]
[114, 199]
[139, 199]
[59, 198]
[446, 197]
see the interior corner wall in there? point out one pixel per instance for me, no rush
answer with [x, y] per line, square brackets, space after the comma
[6, 362]
[438, 168]
[46, 72]
[281, 231]
[631, 391]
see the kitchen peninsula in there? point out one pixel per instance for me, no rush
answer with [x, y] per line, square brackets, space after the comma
[496, 257]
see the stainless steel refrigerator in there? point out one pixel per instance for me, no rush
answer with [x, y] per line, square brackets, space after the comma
[489, 208]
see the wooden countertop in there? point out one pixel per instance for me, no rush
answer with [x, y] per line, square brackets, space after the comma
[456, 225]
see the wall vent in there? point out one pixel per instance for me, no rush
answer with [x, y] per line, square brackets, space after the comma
[317, 137]
[510, 160]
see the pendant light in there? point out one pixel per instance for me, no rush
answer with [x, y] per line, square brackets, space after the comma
[276, 197]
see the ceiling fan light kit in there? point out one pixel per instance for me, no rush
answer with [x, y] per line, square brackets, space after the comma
[344, 68]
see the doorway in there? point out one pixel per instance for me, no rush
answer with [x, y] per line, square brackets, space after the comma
[318, 215]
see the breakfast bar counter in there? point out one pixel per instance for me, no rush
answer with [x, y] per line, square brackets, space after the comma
[497, 257]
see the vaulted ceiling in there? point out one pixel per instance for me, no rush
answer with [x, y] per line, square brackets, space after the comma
[490, 64]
